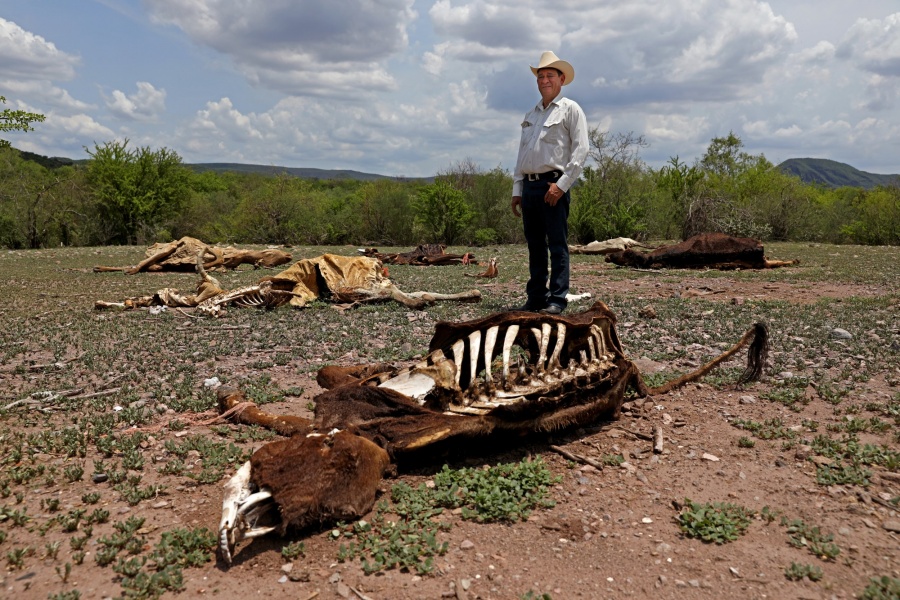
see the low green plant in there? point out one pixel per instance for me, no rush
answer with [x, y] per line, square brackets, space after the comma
[796, 572]
[507, 492]
[883, 588]
[293, 550]
[802, 535]
[69, 595]
[841, 474]
[769, 429]
[716, 522]
[745, 442]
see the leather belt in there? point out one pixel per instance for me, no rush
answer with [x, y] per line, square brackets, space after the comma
[548, 176]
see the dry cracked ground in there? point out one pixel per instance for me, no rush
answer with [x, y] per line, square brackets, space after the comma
[112, 458]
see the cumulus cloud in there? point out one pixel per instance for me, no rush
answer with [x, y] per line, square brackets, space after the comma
[301, 47]
[147, 104]
[875, 45]
[627, 52]
[31, 57]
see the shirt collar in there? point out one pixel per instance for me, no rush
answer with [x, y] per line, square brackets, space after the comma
[540, 103]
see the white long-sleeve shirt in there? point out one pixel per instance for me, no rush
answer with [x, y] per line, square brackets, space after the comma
[553, 139]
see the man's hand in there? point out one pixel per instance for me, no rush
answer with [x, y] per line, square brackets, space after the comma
[553, 194]
[516, 203]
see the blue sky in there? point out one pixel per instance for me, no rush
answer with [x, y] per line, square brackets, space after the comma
[412, 87]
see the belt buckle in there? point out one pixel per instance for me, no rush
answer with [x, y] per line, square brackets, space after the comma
[533, 176]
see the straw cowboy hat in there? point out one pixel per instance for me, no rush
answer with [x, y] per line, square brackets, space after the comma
[549, 60]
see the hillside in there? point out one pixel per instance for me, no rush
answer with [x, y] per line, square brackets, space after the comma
[301, 172]
[834, 174]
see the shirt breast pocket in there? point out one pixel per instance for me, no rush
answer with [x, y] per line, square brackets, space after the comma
[553, 131]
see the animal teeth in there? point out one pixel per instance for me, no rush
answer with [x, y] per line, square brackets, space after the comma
[592, 348]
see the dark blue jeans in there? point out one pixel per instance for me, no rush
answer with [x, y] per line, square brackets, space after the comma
[546, 229]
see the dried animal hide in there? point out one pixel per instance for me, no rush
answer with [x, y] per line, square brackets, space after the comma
[424, 255]
[345, 279]
[706, 250]
[486, 381]
[181, 256]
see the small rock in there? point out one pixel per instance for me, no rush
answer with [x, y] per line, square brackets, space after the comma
[710, 457]
[646, 520]
[821, 460]
[287, 567]
[892, 525]
[343, 590]
[647, 312]
[747, 399]
[467, 545]
[212, 382]
[803, 452]
[283, 579]
[99, 477]
[841, 334]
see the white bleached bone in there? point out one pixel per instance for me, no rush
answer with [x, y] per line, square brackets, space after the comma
[508, 340]
[474, 353]
[459, 348]
[557, 350]
[490, 340]
[241, 510]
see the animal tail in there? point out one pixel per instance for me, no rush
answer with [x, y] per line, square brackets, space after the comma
[757, 337]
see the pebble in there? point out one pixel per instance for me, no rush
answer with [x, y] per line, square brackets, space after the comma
[467, 545]
[892, 525]
[747, 399]
[841, 334]
[710, 457]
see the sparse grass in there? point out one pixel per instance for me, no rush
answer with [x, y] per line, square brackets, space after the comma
[130, 367]
[410, 542]
[718, 522]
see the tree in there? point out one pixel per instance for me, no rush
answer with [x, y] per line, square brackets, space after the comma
[442, 212]
[612, 195]
[136, 191]
[16, 120]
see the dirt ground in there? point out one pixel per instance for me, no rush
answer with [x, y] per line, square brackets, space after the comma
[612, 532]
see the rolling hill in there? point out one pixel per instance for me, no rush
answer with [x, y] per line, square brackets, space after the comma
[834, 174]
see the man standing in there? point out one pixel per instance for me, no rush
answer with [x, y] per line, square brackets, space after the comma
[552, 151]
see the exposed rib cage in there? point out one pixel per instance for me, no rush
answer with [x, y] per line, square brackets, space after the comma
[520, 359]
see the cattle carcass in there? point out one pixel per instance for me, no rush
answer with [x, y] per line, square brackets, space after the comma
[343, 279]
[422, 255]
[181, 256]
[495, 379]
[703, 251]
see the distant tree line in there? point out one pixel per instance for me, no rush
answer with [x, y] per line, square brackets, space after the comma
[128, 195]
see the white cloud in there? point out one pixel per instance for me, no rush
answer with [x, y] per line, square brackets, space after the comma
[30, 57]
[301, 47]
[147, 104]
[875, 45]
